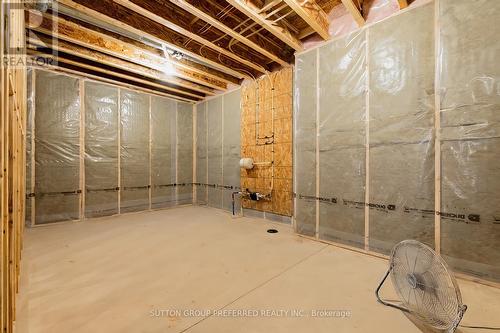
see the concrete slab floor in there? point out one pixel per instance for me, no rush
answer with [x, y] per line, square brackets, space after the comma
[169, 271]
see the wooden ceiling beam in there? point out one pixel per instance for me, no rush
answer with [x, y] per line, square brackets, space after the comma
[308, 31]
[100, 42]
[269, 5]
[187, 6]
[206, 71]
[80, 72]
[119, 16]
[281, 32]
[245, 26]
[355, 11]
[81, 52]
[143, 83]
[127, 37]
[313, 15]
[151, 10]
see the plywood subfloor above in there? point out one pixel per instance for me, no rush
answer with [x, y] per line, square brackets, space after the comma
[107, 275]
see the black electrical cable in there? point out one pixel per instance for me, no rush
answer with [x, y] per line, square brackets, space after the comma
[481, 327]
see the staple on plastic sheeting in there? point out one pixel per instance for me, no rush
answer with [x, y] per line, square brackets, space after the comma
[401, 125]
[470, 136]
[134, 151]
[214, 148]
[57, 148]
[231, 147]
[201, 153]
[163, 152]
[184, 153]
[101, 155]
[305, 143]
[342, 117]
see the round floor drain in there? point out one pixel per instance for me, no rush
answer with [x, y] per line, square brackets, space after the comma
[272, 231]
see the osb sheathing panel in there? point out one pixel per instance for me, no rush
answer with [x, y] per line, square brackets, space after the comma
[258, 100]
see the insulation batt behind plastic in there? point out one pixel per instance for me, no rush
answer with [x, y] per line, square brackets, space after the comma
[342, 138]
[305, 138]
[231, 147]
[401, 121]
[365, 110]
[163, 152]
[185, 153]
[214, 148]
[201, 154]
[114, 151]
[57, 148]
[134, 151]
[470, 134]
[218, 150]
[101, 155]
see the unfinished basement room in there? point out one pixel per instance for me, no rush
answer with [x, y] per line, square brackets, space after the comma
[250, 166]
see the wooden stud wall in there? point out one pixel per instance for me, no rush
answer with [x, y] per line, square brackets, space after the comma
[259, 98]
[12, 159]
[82, 80]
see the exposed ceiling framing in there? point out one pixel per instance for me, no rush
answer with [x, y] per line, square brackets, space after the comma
[313, 14]
[354, 7]
[184, 49]
[403, 4]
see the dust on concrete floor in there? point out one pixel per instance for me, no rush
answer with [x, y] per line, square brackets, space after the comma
[146, 272]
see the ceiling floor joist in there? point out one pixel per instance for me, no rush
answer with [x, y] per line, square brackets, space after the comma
[403, 4]
[61, 46]
[114, 73]
[139, 41]
[117, 15]
[277, 30]
[353, 7]
[313, 15]
[249, 41]
[151, 10]
[95, 76]
[100, 42]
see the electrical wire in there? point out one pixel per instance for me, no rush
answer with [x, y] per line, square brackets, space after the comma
[481, 327]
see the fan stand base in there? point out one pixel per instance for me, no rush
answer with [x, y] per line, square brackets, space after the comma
[459, 319]
[377, 292]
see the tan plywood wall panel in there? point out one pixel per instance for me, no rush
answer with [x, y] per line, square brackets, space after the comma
[266, 124]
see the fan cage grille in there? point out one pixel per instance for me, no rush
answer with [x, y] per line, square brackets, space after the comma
[425, 285]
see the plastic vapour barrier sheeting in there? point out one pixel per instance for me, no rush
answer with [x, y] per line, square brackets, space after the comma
[470, 136]
[57, 148]
[101, 149]
[231, 148]
[134, 151]
[184, 153]
[342, 139]
[401, 57]
[400, 65]
[163, 152]
[214, 148]
[201, 154]
[305, 142]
